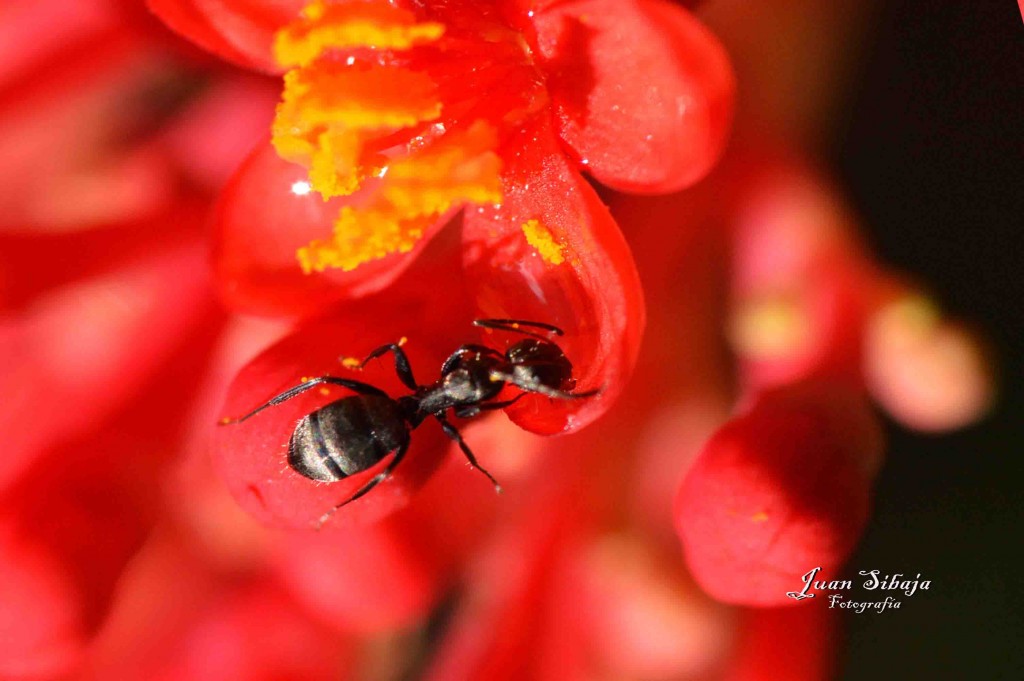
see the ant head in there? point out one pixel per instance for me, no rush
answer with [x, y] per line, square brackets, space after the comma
[532, 350]
[542, 362]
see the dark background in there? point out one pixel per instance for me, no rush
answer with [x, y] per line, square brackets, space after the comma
[931, 156]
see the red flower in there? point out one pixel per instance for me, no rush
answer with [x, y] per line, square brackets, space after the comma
[121, 553]
[405, 113]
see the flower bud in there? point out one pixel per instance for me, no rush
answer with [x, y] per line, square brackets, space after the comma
[780, 489]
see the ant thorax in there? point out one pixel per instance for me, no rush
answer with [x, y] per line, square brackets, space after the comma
[466, 385]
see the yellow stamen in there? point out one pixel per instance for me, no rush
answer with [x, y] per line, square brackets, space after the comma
[349, 119]
[415, 192]
[361, 236]
[540, 237]
[327, 116]
[362, 96]
[327, 26]
[459, 168]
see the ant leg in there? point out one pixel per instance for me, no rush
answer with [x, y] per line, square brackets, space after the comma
[541, 389]
[454, 434]
[355, 386]
[473, 410]
[514, 324]
[402, 366]
[365, 489]
[467, 349]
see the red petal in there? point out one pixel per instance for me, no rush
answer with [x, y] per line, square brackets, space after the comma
[778, 491]
[241, 31]
[594, 295]
[643, 91]
[251, 456]
[262, 222]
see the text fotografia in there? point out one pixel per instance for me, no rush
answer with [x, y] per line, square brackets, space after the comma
[875, 581]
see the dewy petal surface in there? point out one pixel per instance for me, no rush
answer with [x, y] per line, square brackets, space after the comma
[643, 92]
[552, 253]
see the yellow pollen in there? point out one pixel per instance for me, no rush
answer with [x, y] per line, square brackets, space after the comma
[759, 517]
[463, 162]
[350, 362]
[350, 118]
[329, 26]
[540, 237]
[361, 236]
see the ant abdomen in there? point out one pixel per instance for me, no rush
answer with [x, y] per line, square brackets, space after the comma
[346, 437]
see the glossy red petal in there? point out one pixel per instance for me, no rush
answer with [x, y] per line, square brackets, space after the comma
[642, 90]
[777, 491]
[266, 213]
[594, 292]
[252, 456]
[38, 623]
[241, 31]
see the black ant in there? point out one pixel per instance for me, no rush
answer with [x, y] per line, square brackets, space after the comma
[352, 434]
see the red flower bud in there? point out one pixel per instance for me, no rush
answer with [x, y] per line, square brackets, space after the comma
[780, 489]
